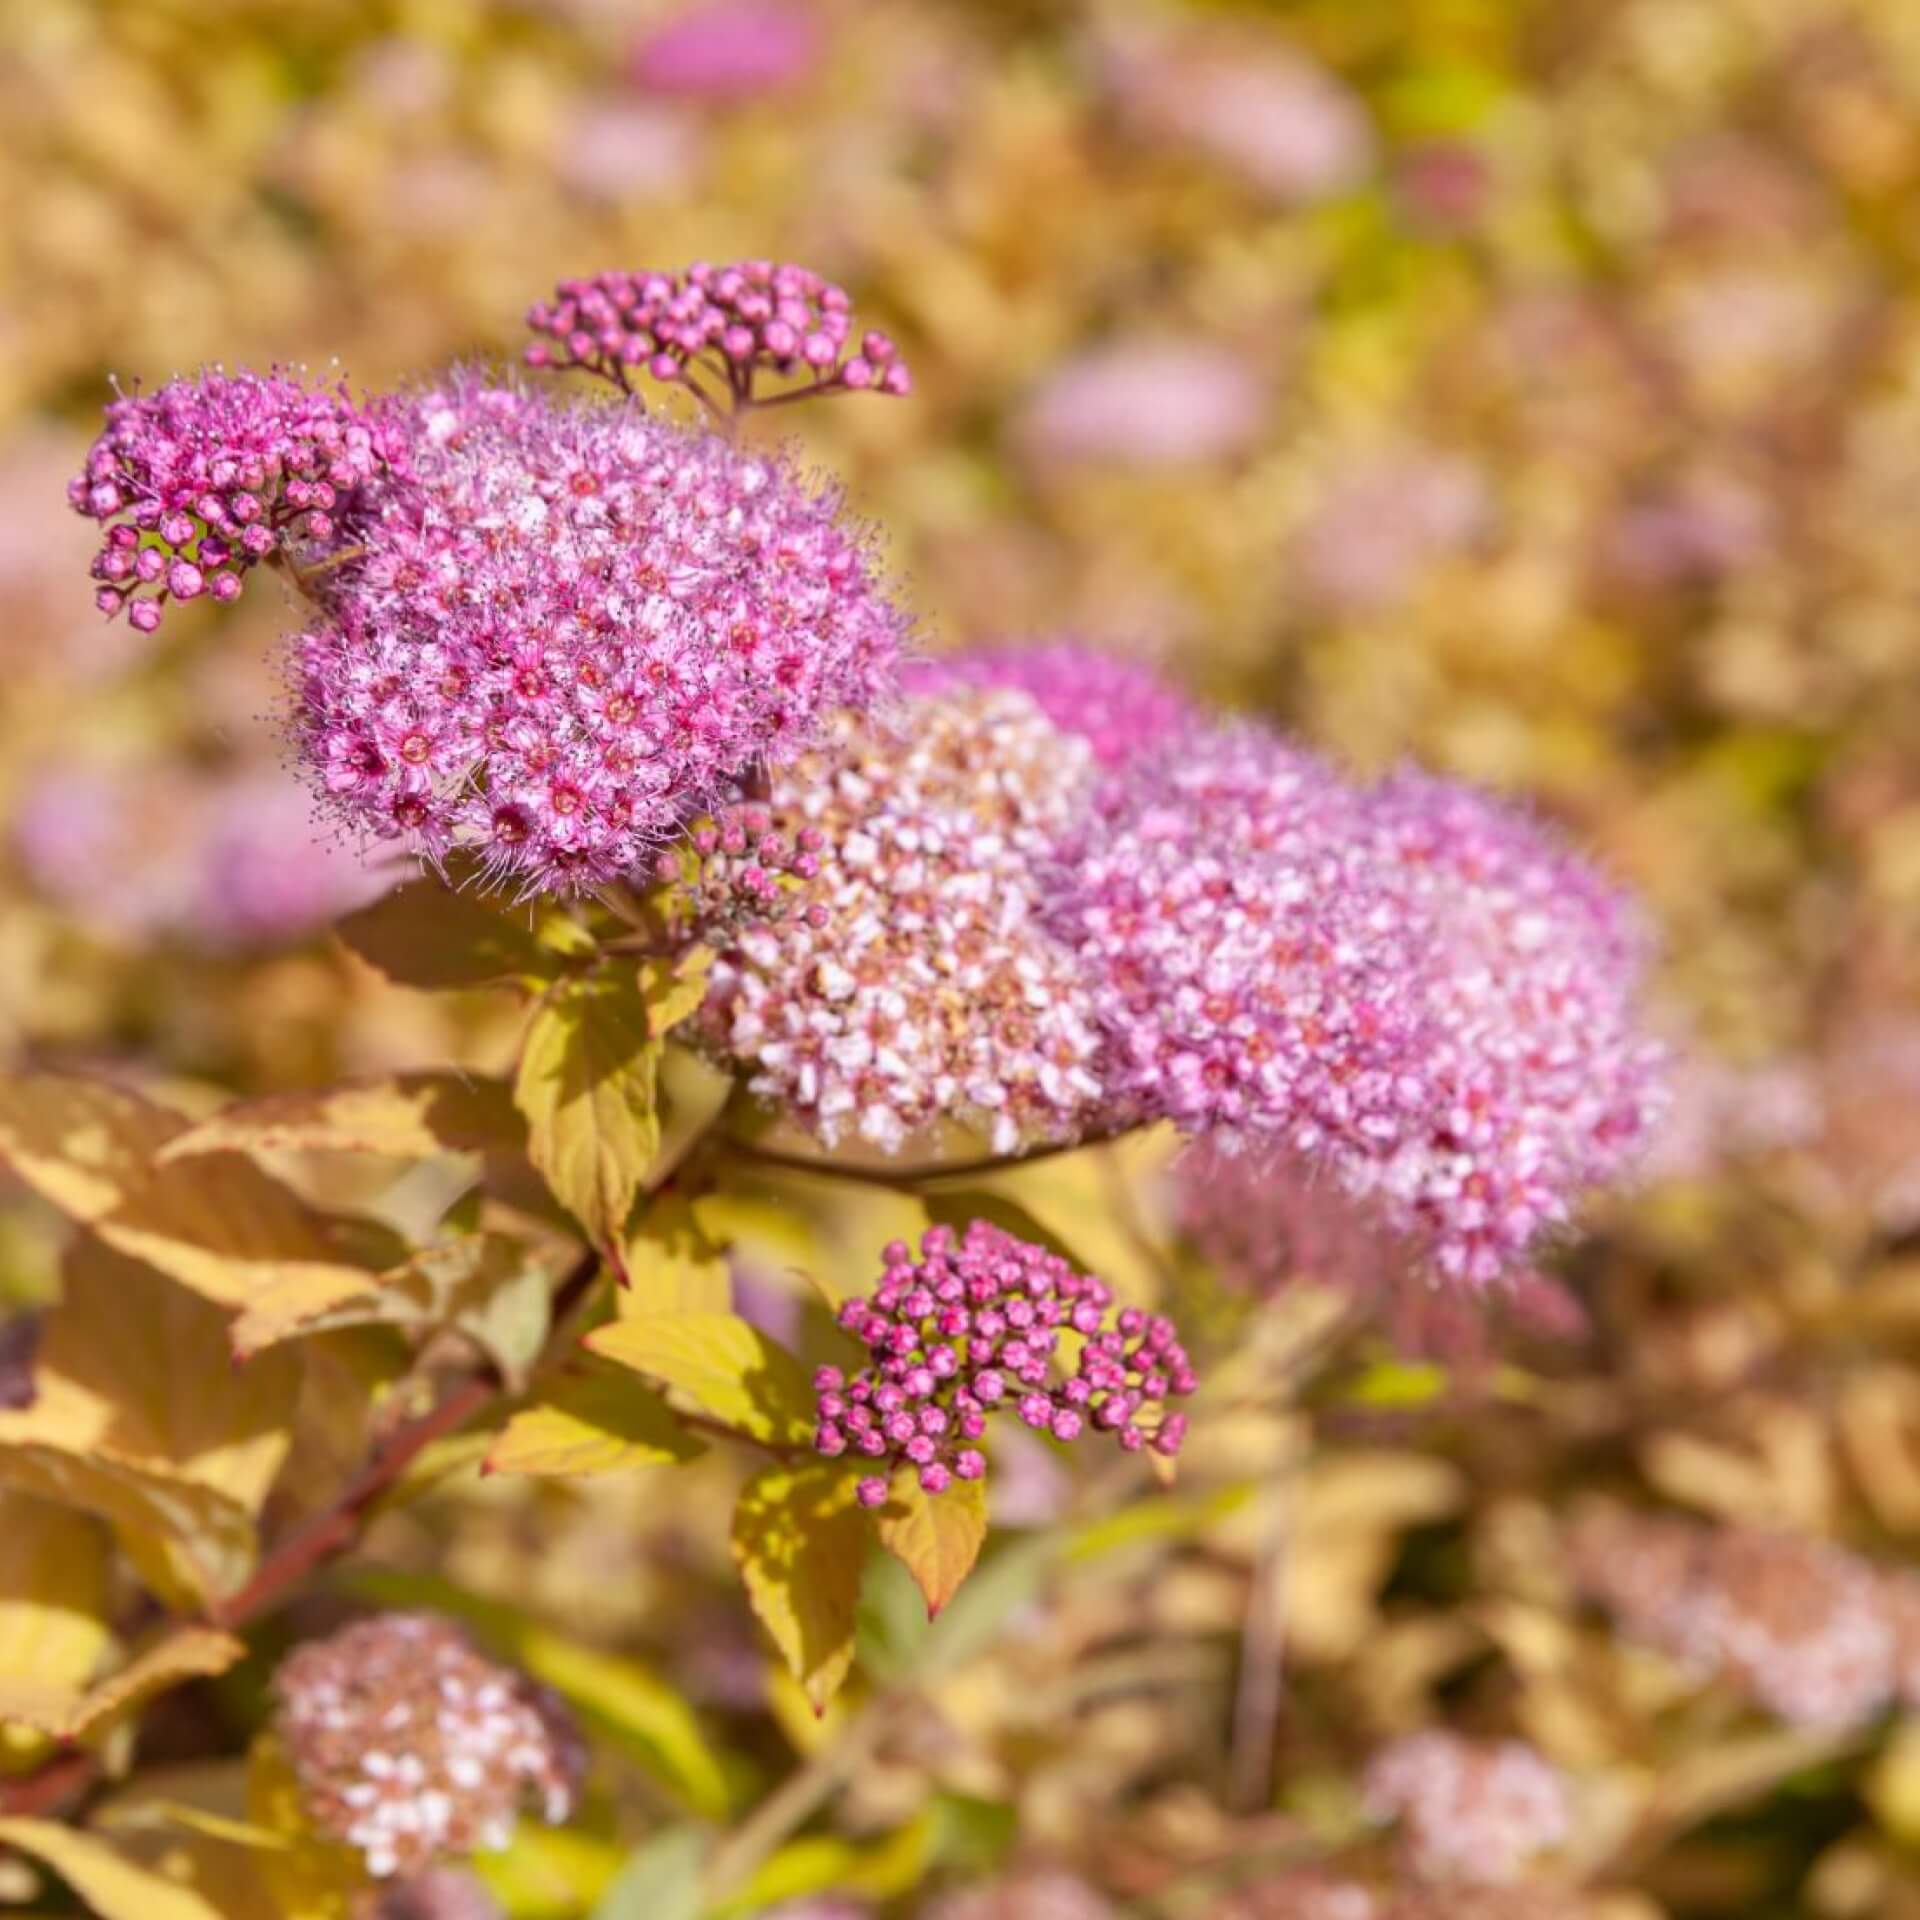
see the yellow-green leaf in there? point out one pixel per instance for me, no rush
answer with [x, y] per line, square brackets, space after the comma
[672, 1266]
[673, 987]
[430, 935]
[719, 1366]
[413, 1115]
[601, 1421]
[587, 1085]
[936, 1537]
[115, 1887]
[800, 1540]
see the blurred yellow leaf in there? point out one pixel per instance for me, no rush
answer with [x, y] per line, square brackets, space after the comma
[549, 1873]
[175, 1655]
[53, 1616]
[112, 1885]
[217, 1224]
[310, 1877]
[143, 1418]
[719, 1366]
[800, 1541]
[413, 1115]
[828, 1864]
[495, 1289]
[936, 1537]
[601, 1421]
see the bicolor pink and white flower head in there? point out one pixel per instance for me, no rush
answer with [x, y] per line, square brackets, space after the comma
[573, 630]
[1122, 708]
[1469, 1812]
[411, 1746]
[908, 977]
[974, 1325]
[199, 481]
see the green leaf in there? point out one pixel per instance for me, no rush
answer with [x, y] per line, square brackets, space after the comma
[599, 1421]
[429, 935]
[800, 1541]
[721, 1367]
[115, 1887]
[830, 1864]
[588, 1078]
[936, 1537]
[660, 1880]
[496, 1290]
[412, 1116]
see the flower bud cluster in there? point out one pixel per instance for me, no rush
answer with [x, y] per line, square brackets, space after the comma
[1806, 1630]
[199, 481]
[738, 867]
[740, 321]
[910, 979]
[981, 1321]
[573, 630]
[410, 1745]
[1119, 707]
[1469, 1812]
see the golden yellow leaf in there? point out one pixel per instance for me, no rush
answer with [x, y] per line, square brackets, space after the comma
[412, 1115]
[603, 1421]
[114, 1886]
[720, 1366]
[936, 1537]
[217, 1223]
[672, 1266]
[311, 1878]
[800, 1541]
[433, 935]
[53, 1617]
[175, 1654]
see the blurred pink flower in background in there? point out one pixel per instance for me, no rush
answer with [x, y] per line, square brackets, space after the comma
[220, 861]
[615, 149]
[1144, 402]
[1385, 515]
[1699, 531]
[728, 50]
[1246, 99]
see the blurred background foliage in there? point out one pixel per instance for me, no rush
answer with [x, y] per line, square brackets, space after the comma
[1531, 387]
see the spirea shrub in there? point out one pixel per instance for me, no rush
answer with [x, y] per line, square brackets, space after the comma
[860, 996]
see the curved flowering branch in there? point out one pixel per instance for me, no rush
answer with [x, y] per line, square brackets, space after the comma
[199, 481]
[738, 324]
[979, 1321]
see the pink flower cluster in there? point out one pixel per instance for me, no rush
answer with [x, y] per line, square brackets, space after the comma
[572, 629]
[200, 480]
[975, 1324]
[1469, 1812]
[736, 322]
[1119, 707]
[1410, 987]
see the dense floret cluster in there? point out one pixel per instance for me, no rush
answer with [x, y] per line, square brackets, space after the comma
[910, 978]
[572, 630]
[199, 481]
[410, 1745]
[1410, 987]
[737, 322]
[977, 1323]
